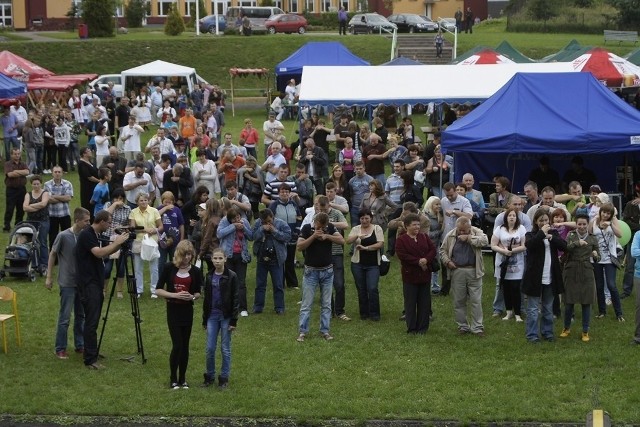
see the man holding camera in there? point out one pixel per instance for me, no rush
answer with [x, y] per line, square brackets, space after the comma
[89, 254]
[316, 242]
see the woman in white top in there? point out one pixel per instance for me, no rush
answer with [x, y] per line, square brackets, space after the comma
[508, 244]
[205, 173]
[606, 228]
[144, 107]
[102, 145]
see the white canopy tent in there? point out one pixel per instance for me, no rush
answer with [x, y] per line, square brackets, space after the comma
[411, 84]
[178, 75]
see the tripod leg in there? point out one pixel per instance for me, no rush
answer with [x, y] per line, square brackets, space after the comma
[106, 313]
[135, 307]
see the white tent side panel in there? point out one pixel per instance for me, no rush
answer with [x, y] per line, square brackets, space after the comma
[411, 84]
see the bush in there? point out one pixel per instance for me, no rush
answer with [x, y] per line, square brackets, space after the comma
[98, 15]
[134, 12]
[174, 26]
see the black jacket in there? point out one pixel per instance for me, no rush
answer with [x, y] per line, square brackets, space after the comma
[168, 273]
[228, 293]
[532, 278]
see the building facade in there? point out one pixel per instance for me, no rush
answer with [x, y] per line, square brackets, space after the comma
[441, 8]
[52, 14]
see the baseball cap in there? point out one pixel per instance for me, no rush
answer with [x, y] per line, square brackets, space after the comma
[202, 206]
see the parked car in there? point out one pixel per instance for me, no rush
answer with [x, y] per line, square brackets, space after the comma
[447, 23]
[431, 23]
[208, 24]
[367, 23]
[103, 81]
[286, 23]
[412, 23]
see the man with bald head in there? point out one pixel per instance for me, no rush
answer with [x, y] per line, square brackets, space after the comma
[117, 165]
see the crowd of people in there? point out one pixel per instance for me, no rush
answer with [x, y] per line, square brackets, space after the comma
[213, 209]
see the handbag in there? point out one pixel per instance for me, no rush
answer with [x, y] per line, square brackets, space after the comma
[384, 265]
[618, 258]
[149, 250]
[434, 265]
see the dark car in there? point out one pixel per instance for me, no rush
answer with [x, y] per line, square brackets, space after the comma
[411, 23]
[286, 23]
[208, 24]
[368, 23]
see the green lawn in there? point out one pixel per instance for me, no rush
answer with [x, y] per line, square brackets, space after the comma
[370, 371]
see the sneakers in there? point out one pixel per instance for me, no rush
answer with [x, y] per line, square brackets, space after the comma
[565, 333]
[300, 338]
[326, 336]
[621, 319]
[223, 382]
[62, 355]
[244, 313]
[518, 319]
[496, 314]
[95, 366]
[600, 316]
[154, 296]
[509, 315]
[174, 386]
[185, 386]
[585, 337]
[344, 317]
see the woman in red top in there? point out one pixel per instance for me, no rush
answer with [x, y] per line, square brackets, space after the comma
[180, 285]
[249, 138]
[416, 252]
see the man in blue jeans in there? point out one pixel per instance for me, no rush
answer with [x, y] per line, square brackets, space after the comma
[316, 242]
[9, 124]
[63, 249]
[270, 237]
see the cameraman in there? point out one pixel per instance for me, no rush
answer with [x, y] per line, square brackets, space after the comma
[270, 236]
[90, 278]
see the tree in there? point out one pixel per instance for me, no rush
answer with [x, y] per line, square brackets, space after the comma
[585, 4]
[98, 15]
[134, 11]
[72, 14]
[174, 26]
[628, 12]
[542, 10]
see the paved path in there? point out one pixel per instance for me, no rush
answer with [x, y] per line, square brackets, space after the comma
[39, 36]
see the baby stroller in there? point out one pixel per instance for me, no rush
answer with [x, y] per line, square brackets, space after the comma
[21, 256]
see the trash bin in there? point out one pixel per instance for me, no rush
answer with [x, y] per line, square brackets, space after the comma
[83, 31]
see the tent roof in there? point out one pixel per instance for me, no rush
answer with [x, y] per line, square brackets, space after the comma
[532, 114]
[159, 68]
[567, 53]
[460, 58]
[506, 49]
[10, 88]
[319, 54]
[19, 68]
[401, 60]
[634, 57]
[417, 84]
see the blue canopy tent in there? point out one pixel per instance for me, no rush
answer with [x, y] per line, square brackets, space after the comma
[314, 53]
[11, 89]
[559, 115]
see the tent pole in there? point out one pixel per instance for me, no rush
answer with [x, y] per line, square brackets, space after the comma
[233, 107]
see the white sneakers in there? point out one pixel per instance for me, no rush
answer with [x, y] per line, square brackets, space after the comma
[244, 313]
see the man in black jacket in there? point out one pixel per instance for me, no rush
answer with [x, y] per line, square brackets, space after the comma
[179, 181]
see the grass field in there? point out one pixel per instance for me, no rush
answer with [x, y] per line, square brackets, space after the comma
[370, 371]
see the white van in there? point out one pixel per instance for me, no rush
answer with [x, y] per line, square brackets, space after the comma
[257, 15]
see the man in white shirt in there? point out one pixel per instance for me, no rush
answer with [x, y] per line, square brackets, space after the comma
[291, 91]
[271, 128]
[548, 199]
[21, 115]
[335, 201]
[169, 94]
[227, 142]
[156, 104]
[130, 137]
[159, 140]
[135, 182]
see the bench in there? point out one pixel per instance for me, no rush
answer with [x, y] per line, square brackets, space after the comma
[620, 36]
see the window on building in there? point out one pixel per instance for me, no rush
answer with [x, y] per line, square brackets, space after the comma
[326, 6]
[310, 6]
[164, 6]
[6, 15]
[189, 7]
[278, 3]
[293, 6]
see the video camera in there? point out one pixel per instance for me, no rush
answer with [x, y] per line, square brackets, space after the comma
[131, 230]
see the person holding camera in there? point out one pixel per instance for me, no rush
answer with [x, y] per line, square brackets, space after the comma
[89, 254]
[316, 242]
[286, 209]
[270, 236]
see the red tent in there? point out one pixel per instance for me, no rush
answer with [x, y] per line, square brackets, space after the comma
[610, 69]
[20, 69]
[486, 56]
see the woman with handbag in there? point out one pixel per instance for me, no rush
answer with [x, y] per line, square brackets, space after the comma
[365, 264]
[149, 218]
[606, 228]
[416, 253]
[508, 244]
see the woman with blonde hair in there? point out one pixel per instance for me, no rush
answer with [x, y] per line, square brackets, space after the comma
[213, 213]
[433, 211]
[180, 284]
[149, 218]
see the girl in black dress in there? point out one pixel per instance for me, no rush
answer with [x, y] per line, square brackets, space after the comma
[88, 174]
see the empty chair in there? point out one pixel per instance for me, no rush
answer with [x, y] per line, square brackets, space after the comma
[7, 295]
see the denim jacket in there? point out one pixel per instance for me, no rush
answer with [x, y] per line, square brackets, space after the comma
[226, 235]
[281, 234]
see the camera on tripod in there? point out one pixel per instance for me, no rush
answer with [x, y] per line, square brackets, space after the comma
[131, 230]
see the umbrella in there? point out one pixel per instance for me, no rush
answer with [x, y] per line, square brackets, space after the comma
[610, 69]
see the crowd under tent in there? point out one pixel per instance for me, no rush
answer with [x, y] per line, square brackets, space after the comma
[532, 116]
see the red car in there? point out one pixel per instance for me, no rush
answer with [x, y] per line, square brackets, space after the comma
[286, 23]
